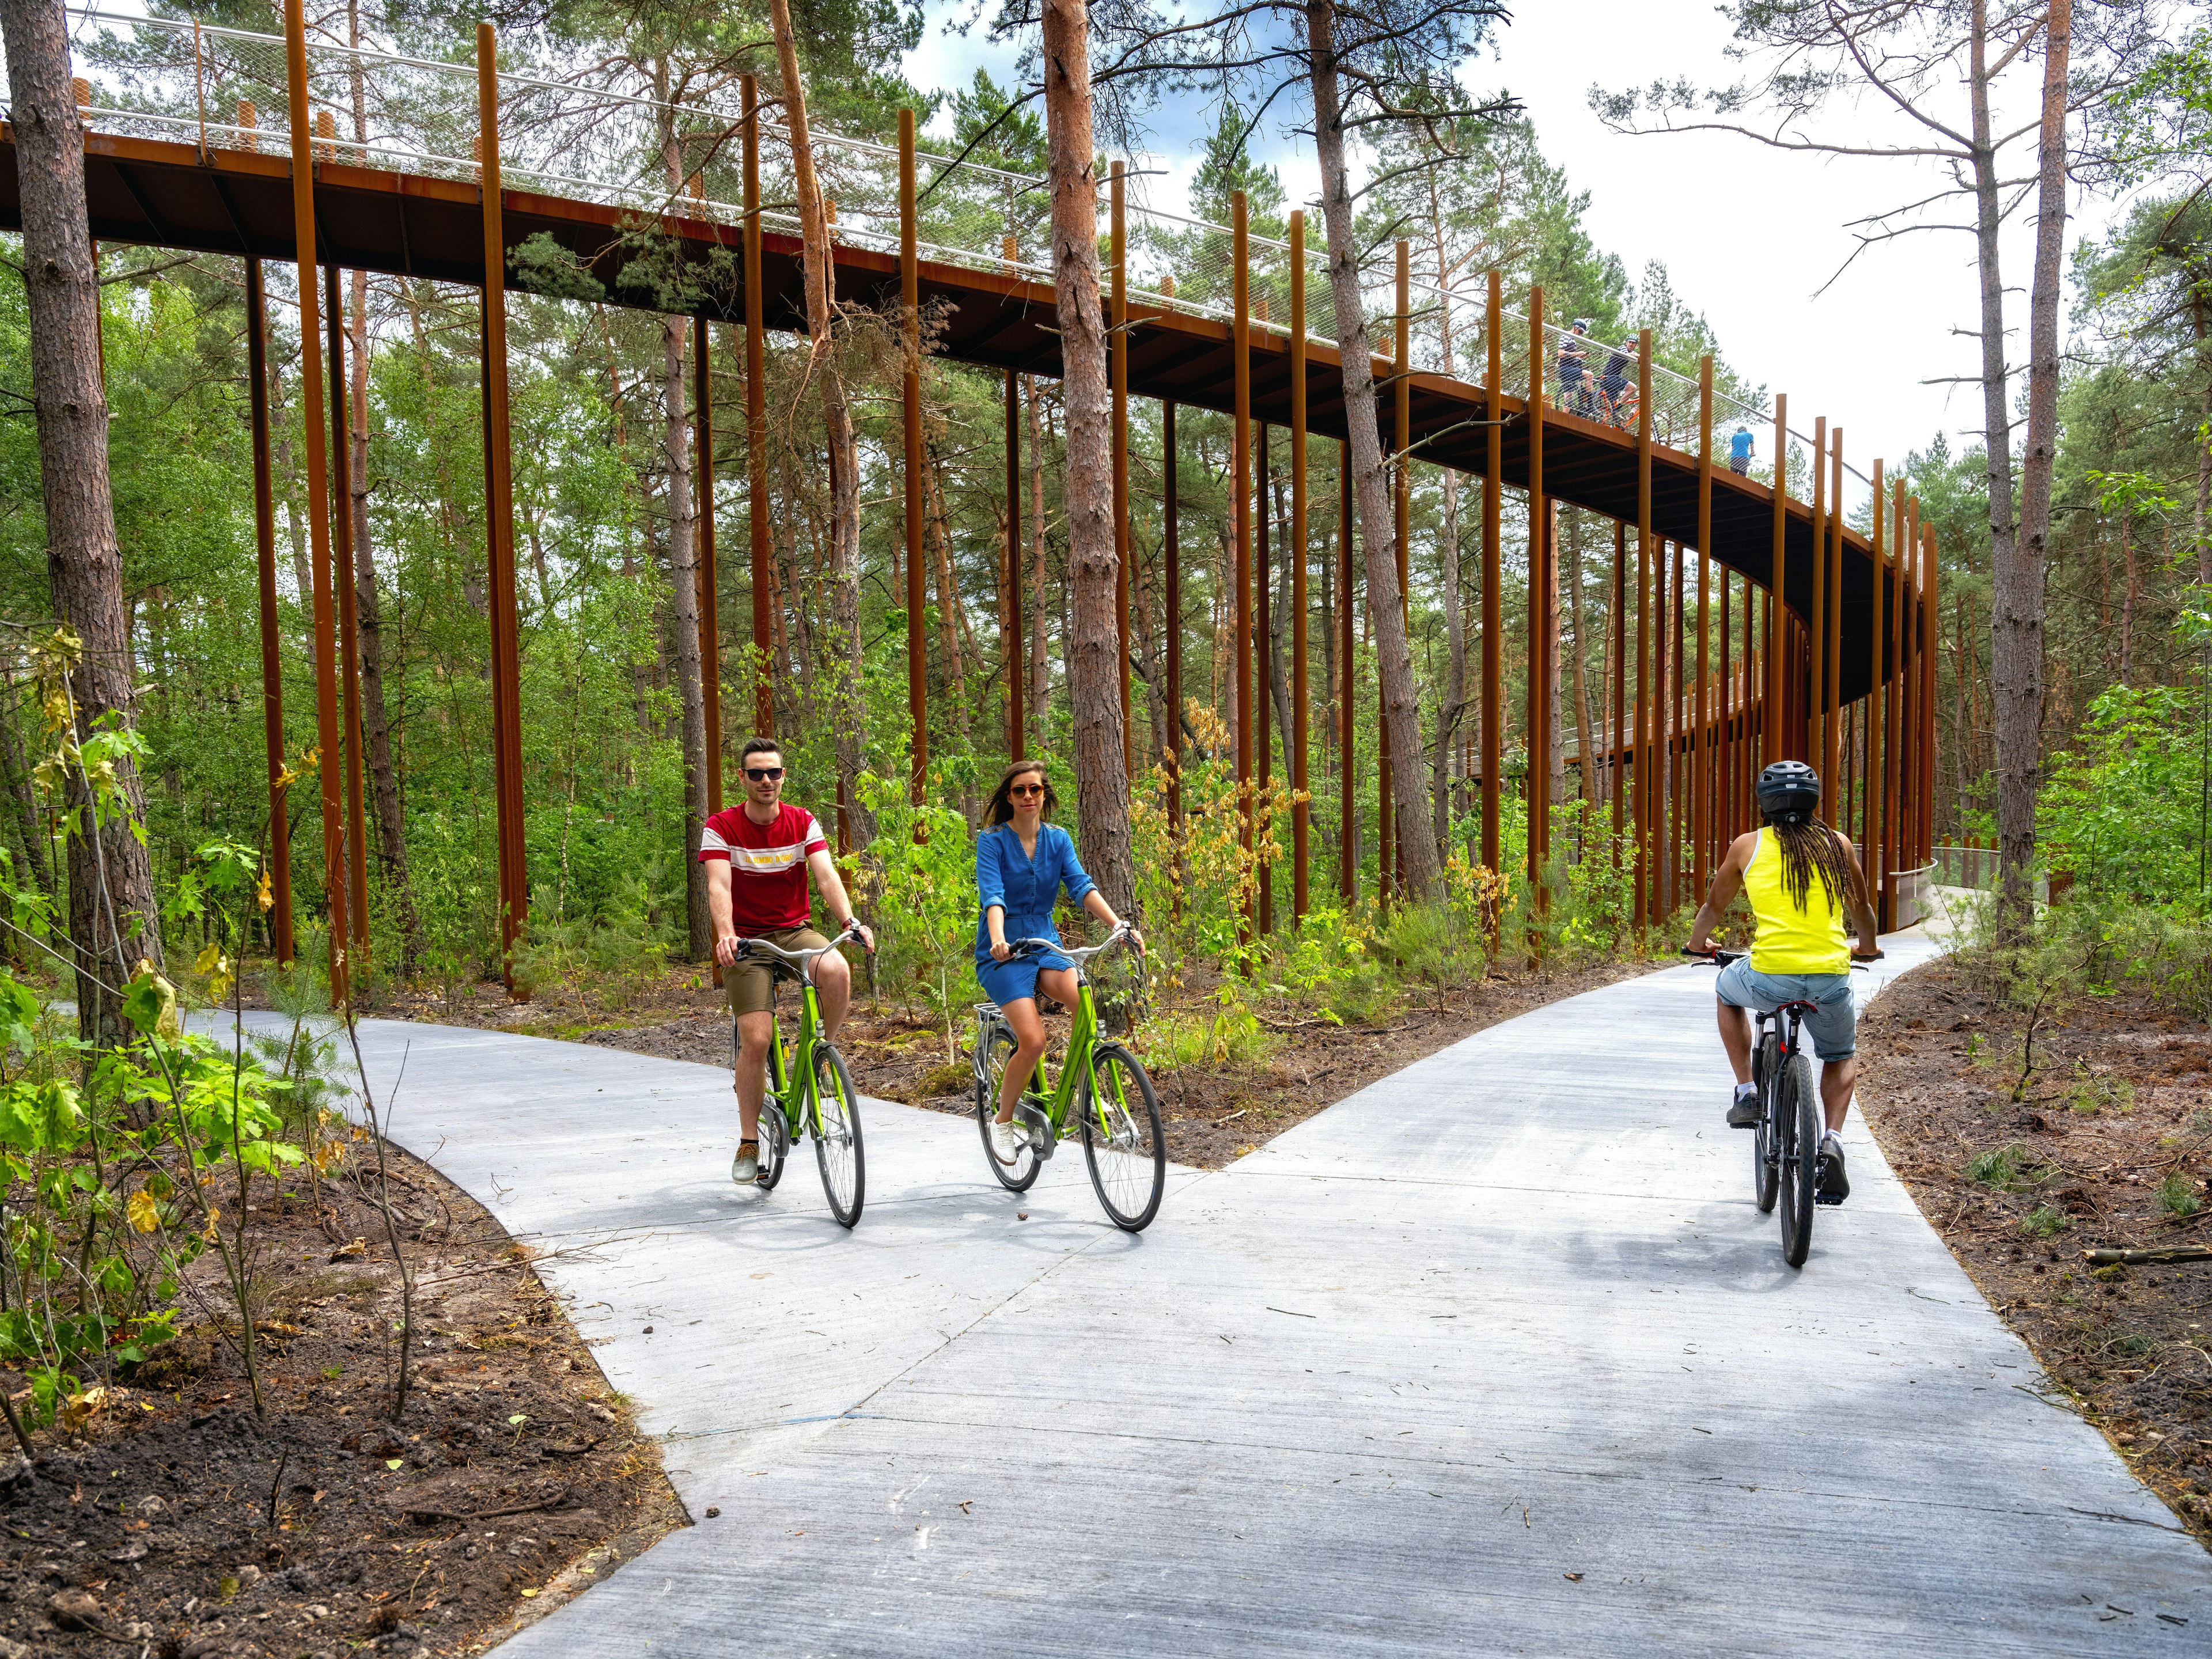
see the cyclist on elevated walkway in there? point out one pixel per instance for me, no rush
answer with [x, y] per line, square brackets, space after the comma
[1799, 878]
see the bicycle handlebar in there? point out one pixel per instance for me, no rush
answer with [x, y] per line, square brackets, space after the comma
[1721, 958]
[802, 960]
[1022, 949]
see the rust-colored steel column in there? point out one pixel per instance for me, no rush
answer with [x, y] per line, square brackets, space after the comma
[1171, 558]
[710, 609]
[1347, 828]
[499, 466]
[1401, 428]
[1832, 641]
[1892, 712]
[1773, 720]
[1677, 769]
[319, 504]
[1870, 814]
[1644, 637]
[1240, 447]
[1012, 660]
[1909, 675]
[917, 637]
[756, 429]
[1700, 765]
[1816, 630]
[272, 670]
[1493, 581]
[1263, 685]
[1723, 765]
[1617, 744]
[1297, 554]
[1930, 610]
[1538, 773]
[1119, 324]
[349, 625]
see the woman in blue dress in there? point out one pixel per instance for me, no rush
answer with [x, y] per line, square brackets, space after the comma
[1023, 861]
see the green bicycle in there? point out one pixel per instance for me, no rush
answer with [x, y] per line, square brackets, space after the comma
[1103, 1093]
[810, 1091]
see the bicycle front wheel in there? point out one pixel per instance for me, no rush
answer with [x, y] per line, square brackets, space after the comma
[774, 1135]
[837, 1138]
[1122, 1139]
[1801, 1145]
[990, 1073]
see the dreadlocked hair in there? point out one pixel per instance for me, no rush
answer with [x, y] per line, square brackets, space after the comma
[1808, 846]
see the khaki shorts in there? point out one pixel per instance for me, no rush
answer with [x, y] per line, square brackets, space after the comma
[750, 985]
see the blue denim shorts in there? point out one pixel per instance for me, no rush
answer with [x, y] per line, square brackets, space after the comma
[1834, 1023]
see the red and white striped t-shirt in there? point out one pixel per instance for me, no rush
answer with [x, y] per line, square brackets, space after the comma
[768, 865]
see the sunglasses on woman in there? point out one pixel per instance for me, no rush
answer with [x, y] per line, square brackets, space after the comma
[1024, 791]
[763, 774]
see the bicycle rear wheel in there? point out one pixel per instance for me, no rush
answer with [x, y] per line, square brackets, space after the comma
[1766, 1069]
[1122, 1138]
[1801, 1145]
[837, 1146]
[990, 1073]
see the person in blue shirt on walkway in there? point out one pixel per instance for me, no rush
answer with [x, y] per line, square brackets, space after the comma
[1739, 450]
[1023, 862]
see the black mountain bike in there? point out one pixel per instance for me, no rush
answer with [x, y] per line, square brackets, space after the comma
[1786, 1162]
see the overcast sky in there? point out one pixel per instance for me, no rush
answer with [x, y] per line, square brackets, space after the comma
[1748, 234]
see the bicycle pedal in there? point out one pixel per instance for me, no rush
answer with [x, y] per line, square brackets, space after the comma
[1038, 1127]
[1827, 1202]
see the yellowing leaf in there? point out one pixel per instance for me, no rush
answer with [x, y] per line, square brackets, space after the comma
[263, 898]
[141, 1211]
[209, 960]
[393, 1462]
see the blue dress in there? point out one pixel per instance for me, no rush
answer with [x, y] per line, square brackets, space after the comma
[1027, 885]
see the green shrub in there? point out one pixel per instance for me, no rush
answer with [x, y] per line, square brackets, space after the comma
[2177, 1196]
[2046, 1221]
[2000, 1168]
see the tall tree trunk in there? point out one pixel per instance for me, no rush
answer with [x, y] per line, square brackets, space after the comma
[850, 720]
[1455, 703]
[21, 793]
[1279, 679]
[113, 923]
[2017, 592]
[1094, 652]
[295, 526]
[1393, 661]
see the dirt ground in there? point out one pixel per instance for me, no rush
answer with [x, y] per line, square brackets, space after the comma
[514, 1477]
[2106, 1145]
[1214, 1113]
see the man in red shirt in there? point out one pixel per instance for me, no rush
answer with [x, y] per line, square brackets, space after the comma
[757, 857]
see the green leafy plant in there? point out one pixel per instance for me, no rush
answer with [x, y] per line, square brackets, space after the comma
[1999, 1167]
[2046, 1221]
[922, 883]
[2179, 1196]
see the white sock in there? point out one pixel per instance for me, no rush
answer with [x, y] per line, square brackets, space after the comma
[1832, 1136]
[1746, 1091]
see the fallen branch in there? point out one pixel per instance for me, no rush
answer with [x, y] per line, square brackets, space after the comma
[558, 1495]
[2147, 1258]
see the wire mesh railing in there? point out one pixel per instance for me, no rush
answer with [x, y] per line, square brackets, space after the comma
[599, 134]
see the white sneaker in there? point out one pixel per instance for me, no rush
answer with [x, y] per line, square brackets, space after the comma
[1008, 1141]
[744, 1167]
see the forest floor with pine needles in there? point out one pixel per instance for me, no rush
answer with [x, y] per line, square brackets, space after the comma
[2105, 1143]
[172, 1522]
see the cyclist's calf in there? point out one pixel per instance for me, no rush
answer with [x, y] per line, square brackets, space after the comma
[833, 984]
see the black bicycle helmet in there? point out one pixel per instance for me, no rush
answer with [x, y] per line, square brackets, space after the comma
[1789, 791]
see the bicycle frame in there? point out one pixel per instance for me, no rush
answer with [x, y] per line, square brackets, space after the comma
[1057, 1103]
[793, 1089]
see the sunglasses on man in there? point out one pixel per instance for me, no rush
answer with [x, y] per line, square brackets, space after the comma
[763, 774]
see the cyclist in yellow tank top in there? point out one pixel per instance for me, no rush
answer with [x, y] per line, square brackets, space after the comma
[1801, 879]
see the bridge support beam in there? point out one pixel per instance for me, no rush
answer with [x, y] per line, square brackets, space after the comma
[1240, 449]
[1263, 682]
[1012, 667]
[272, 674]
[756, 429]
[710, 613]
[1871, 806]
[1347, 819]
[1171, 582]
[1701, 816]
[1299, 554]
[1493, 579]
[1645, 639]
[1832, 641]
[1393, 846]
[341, 582]
[1816, 630]
[318, 502]
[917, 655]
[1929, 614]
[1119, 368]
[499, 502]
[1616, 759]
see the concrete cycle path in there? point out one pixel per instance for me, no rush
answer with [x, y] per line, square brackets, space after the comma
[1495, 1356]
